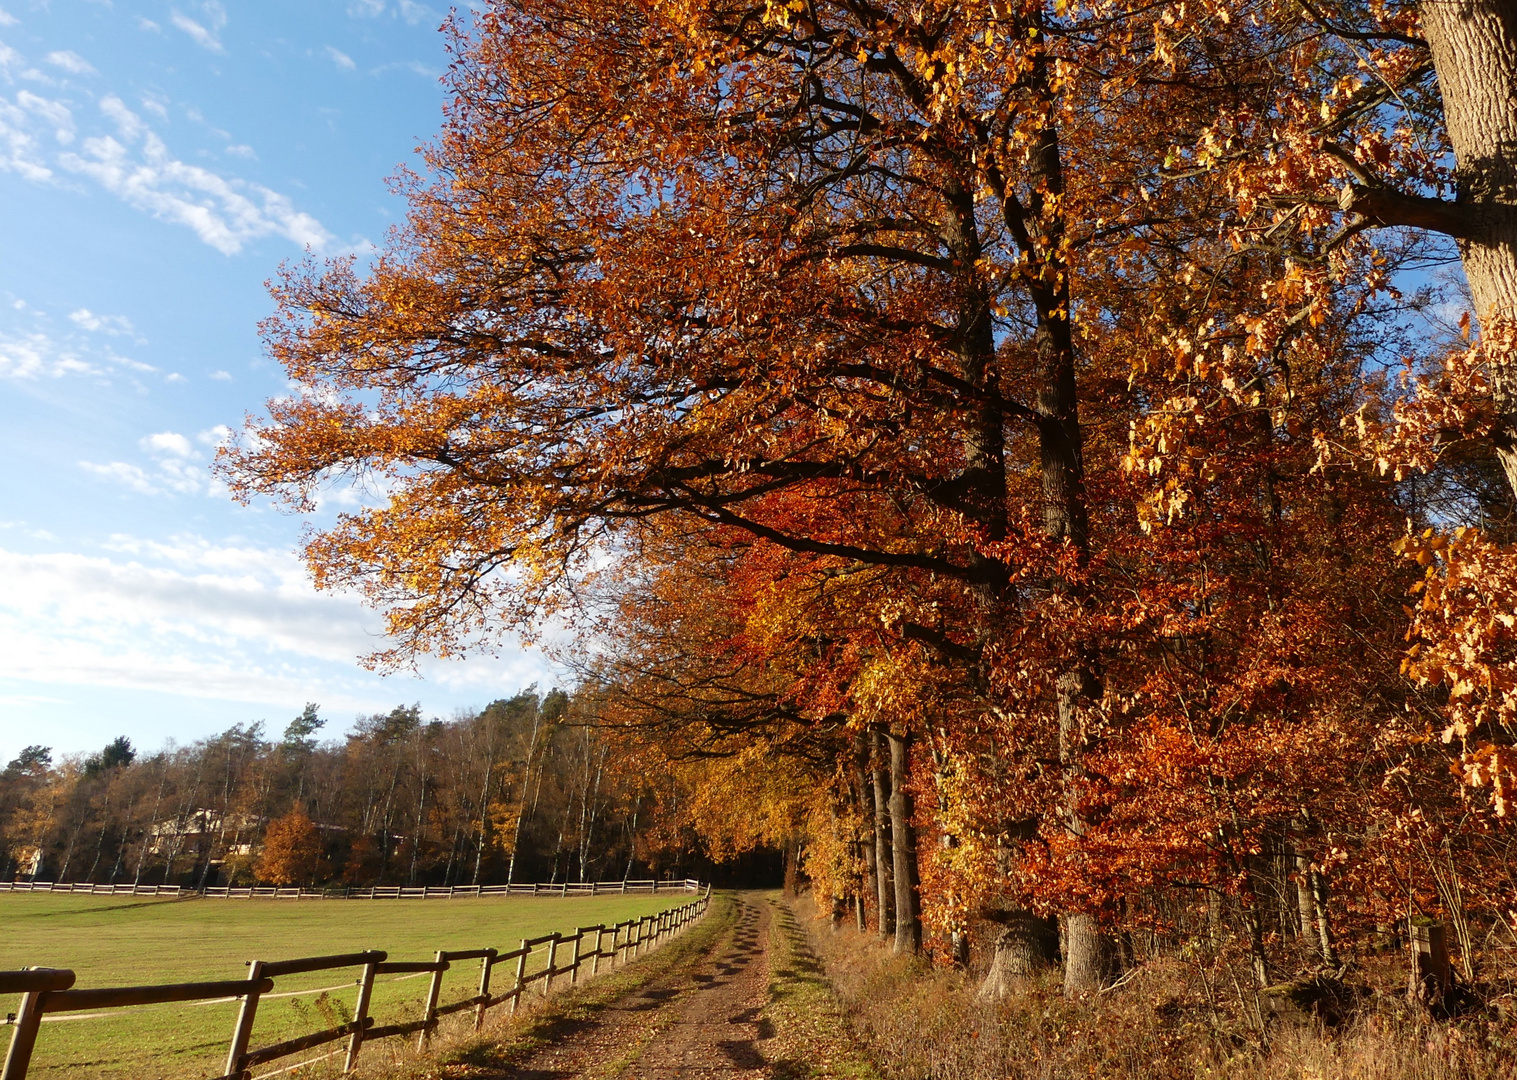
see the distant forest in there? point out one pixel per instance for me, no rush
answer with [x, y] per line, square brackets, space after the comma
[523, 791]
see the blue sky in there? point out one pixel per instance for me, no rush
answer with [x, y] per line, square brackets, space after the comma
[158, 161]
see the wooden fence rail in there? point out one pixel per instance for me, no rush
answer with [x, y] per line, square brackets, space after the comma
[377, 892]
[50, 990]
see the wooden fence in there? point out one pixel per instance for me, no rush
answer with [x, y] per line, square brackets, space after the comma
[378, 892]
[49, 990]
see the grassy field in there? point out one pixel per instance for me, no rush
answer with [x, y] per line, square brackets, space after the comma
[132, 941]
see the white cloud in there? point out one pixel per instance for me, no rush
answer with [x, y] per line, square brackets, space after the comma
[155, 104]
[123, 474]
[7, 19]
[341, 59]
[409, 65]
[408, 10]
[128, 123]
[135, 165]
[167, 442]
[71, 62]
[148, 25]
[243, 151]
[35, 355]
[86, 319]
[178, 465]
[205, 34]
[192, 617]
[18, 146]
[52, 112]
[222, 376]
[414, 13]
[224, 212]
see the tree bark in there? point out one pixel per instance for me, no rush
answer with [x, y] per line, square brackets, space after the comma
[1325, 946]
[1088, 950]
[908, 912]
[1305, 904]
[882, 838]
[1474, 47]
[869, 876]
[1024, 945]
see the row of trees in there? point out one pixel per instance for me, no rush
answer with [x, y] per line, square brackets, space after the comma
[522, 791]
[1005, 448]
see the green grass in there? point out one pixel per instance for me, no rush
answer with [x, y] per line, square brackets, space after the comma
[133, 941]
[812, 1037]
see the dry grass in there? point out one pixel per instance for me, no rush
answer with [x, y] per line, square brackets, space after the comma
[1170, 1020]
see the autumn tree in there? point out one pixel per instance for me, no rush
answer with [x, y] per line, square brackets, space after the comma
[291, 850]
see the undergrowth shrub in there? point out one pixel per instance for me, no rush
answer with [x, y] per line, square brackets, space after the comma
[1169, 1020]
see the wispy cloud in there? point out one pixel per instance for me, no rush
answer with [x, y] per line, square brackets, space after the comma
[341, 59]
[86, 319]
[202, 618]
[38, 349]
[7, 19]
[176, 464]
[37, 356]
[224, 212]
[408, 10]
[206, 33]
[136, 165]
[71, 62]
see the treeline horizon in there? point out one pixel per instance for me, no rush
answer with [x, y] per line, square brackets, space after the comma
[524, 790]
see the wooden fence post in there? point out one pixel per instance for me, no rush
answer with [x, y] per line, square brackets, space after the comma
[24, 1037]
[487, 964]
[521, 971]
[624, 884]
[552, 956]
[360, 1014]
[28, 1021]
[1431, 977]
[429, 1014]
[600, 933]
[579, 937]
[235, 1066]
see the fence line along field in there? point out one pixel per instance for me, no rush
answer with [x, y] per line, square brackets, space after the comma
[139, 940]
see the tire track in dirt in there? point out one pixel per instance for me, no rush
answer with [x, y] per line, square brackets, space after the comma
[704, 1020]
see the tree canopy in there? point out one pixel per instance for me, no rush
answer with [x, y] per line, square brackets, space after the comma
[988, 424]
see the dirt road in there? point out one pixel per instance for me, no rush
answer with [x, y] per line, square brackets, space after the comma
[702, 1018]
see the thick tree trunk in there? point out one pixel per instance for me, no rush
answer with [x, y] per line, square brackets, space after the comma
[882, 838]
[1474, 47]
[1088, 951]
[1024, 945]
[908, 912]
